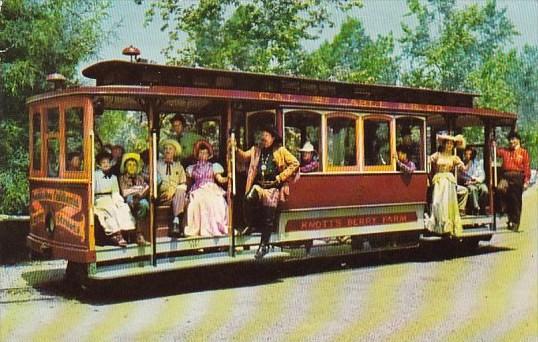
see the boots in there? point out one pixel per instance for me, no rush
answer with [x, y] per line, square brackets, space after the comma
[268, 223]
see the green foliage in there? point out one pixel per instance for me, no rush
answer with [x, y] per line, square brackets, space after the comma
[449, 43]
[254, 35]
[37, 37]
[41, 37]
[353, 56]
[13, 169]
[126, 128]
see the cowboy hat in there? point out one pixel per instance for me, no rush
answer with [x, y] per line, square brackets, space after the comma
[174, 144]
[198, 146]
[307, 147]
[130, 156]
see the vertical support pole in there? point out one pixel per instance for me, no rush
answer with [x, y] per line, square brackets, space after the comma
[153, 191]
[231, 178]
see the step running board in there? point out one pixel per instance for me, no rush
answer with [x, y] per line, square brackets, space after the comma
[182, 263]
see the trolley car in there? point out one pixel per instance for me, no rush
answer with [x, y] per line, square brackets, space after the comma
[357, 201]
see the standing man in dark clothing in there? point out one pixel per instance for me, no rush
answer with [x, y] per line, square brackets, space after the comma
[271, 166]
[517, 173]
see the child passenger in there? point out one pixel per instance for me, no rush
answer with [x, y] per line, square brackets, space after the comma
[134, 189]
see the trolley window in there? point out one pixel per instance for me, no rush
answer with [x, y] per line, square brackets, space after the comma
[341, 142]
[53, 144]
[53, 153]
[74, 123]
[303, 129]
[377, 144]
[36, 142]
[410, 137]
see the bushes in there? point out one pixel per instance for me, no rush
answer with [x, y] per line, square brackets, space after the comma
[13, 168]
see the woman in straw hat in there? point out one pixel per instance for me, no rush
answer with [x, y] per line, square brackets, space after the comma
[445, 211]
[173, 187]
[134, 189]
[207, 212]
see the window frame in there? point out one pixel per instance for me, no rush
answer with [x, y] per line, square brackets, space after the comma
[36, 111]
[325, 136]
[390, 119]
[423, 139]
[84, 161]
[320, 150]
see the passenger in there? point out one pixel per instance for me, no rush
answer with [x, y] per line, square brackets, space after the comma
[402, 162]
[184, 138]
[207, 211]
[309, 158]
[113, 213]
[517, 175]
[173, 187]
[74, 161]
[271, 166]
[413, 149]
[135, 190]
[473, 178]
[445, 212]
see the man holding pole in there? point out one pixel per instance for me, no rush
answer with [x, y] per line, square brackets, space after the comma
[271, 166]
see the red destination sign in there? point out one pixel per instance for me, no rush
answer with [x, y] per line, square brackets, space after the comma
[349, 221]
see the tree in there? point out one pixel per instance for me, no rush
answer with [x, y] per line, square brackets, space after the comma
[449, 43]
[254, 35]
[354, 56]
[37, 37]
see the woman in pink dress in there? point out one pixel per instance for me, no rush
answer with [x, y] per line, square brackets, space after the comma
[207, 212]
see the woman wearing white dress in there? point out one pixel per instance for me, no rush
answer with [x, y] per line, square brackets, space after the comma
[113, 213]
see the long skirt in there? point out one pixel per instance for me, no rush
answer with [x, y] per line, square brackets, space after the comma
[113, 213]
[207, 212]
[445, 216]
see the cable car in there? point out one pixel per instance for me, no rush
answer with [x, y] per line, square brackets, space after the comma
[355, 201]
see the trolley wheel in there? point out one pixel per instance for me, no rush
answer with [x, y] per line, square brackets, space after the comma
[76, 276]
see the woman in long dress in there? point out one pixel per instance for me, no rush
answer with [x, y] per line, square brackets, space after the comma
[113, 213]
[207, 211]
[445, 213]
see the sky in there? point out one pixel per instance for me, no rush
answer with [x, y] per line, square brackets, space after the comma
[377, 16]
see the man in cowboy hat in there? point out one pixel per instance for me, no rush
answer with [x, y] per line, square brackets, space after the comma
[173, 186]
[134, 189]
[517, 173]
[271, 166]
[309, 162]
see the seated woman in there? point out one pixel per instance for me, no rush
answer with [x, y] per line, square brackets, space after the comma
[113, 213]
[134, 189]
[74, 161]
[445, 211]
[207, 211]
[309, 158]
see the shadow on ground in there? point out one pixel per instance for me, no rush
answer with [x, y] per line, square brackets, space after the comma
[240, 275]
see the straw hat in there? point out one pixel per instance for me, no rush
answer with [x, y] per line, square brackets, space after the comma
[459, 140]
[198, 145]
[174, 144]
[130, 156]
[307, 147]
